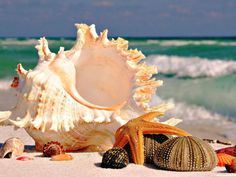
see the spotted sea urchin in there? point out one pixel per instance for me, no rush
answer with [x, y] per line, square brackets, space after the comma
[185, 154]
[151, 144]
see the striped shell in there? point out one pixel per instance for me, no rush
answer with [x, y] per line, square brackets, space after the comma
[12, 148]
[232, 167]
[228, 150]
[151, 144]
[185, 154]
[115, 158]
[224, 159]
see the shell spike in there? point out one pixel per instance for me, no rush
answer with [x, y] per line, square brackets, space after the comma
[103, 36]
[61, 50]
[43, 50]
[85, 33]
[4, 115]
[19, 123]
[61, 53]
[93, 31]
[21, 71]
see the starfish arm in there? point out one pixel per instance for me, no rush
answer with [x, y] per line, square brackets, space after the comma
[150, 116]
[156, 128]
[136, 145]
[121, 140]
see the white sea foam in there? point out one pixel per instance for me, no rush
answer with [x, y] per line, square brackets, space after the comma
[29, 42]
[191, 66]
[12, 41]
[188, 112]
[189, 42]
[198, 116]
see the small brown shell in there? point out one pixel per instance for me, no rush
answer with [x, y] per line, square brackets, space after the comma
[12, 148]
[52, 148]
[185, 154]
[115, 158]
[151, 144]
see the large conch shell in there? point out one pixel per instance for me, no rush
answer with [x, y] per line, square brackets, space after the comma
[81, 96]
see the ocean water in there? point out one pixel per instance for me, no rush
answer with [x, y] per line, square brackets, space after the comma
[197, 72]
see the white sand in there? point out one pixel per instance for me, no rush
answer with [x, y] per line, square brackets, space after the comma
[84, 164]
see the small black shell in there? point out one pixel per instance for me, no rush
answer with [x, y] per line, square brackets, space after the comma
[115, 158]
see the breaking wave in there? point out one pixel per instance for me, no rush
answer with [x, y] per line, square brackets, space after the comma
[190, 42]
[192, 66]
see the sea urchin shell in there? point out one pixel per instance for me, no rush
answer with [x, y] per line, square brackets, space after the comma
[52, 148]
[185, 154]
[115, 158]
[151, 144]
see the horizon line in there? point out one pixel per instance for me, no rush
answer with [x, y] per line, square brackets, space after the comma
[227, 36]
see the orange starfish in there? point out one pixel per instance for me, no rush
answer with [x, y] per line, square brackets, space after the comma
[132, 132]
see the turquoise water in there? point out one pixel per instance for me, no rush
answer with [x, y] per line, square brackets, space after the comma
[216, 93]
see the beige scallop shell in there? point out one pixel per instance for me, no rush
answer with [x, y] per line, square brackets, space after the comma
[81, 96]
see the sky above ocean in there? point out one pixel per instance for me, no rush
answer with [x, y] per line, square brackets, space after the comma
[123, 18]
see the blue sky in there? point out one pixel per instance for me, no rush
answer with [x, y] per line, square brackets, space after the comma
[121, 17]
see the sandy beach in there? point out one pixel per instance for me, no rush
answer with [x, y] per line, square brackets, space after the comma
[84, 164]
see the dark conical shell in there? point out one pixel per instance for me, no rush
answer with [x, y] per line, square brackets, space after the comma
[185, 154]
[151, 144]
[52, 148]
[115, 158]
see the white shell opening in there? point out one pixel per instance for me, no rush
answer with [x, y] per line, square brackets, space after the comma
[103, 77]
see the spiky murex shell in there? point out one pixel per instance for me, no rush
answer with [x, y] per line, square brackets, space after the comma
[51, 108]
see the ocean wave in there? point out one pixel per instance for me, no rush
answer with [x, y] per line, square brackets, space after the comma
[198, 118]
[189, 42]
[191, 66]
[188, 112]
[13, 41]
[32, 41]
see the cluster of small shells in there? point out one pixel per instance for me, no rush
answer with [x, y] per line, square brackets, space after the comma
[14, 148]
[119, 157]
[177, 154]
[55, 150]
